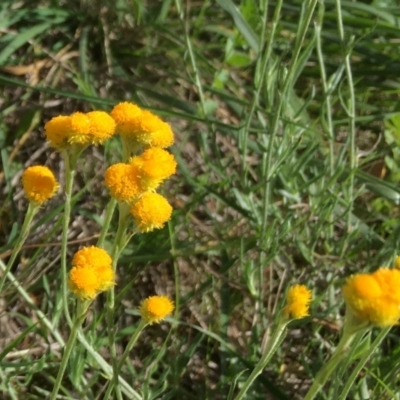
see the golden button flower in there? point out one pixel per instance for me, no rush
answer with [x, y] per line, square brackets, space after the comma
[91, 273]
[125, 115]
[39, 184]
[79, 129]
[374, 298]
[298, 300]
[57, 131]
[154, 165]
[123, 182]
[141, 127]
[151, 211]
[156, 308]
[102, 126]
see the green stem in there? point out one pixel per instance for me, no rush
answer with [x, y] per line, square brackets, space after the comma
[331, 365]
[132, 341]
[197, 78]
[119, 244]
[273, 344]
[350, 110]
[326, 119]
[7, 384]
[69, 180]
[30, 213]
[107, 220]
[127, 151]
[111, 340]
[263, 61]
[79, 318]
[128, 348]
[120, 240]
[367, 354]
[129, 391]
[326, 109]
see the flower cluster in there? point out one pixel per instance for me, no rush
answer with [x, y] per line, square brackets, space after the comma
[79, 129]
[39, 184]
[155, 308]
[374, 298]
[134, 182]
[128, 181]
[141, 127]
[298, 299]
[91, 273]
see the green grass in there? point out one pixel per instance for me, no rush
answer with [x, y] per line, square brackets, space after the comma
[278, 183]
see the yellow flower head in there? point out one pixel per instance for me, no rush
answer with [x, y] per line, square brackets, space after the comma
[57, 131]
[374, 298]
[151, 212]
[155, 165]
[93, 256]
[79, 129]
[298, 299]
[155, 308]
[91, 273]
[141, 127]
[153, 132]
[388, 279]
[125, 115]
[39, 184]
[84, 282]
[123, 182]
[91, 128]
[102, 126]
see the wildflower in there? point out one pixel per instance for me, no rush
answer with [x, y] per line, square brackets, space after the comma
[153, 132]
[374, 298]
[79, 129]
[155, 165]
[151, 211]
[90, 128]
[91, 273]
[57, 131]
[298, 300]
[125, 115]
[156, 308]
[39, 184]
[102, 126]
[123, 182]
[141, 127]
[389, 281]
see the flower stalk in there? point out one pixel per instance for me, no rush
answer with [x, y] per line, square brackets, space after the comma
[70, 165]
[80, 316]
[39, 185]
[351, 328]
[30, 214]
[107, 221]
[360, 365]
[274, 342]
[328, 368]
[120, 242]
[298, 299]
[129, 347]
